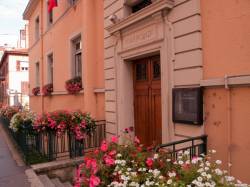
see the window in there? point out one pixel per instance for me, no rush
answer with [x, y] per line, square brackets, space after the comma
[77, 57]
[37, 23]
[50, 68]
[141, 5]
[136, 5]
[188, 105]
[18, 64]
[37, 74]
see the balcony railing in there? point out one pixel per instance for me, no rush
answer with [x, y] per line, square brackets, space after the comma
[195, 145]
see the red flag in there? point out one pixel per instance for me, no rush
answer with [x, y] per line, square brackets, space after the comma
[52, 4]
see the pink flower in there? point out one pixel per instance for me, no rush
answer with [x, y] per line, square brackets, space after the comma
[114, 139]
[149, 162]
[94, 181]
[136, 140]
[109, 161]
[104, 146]
[112, 153]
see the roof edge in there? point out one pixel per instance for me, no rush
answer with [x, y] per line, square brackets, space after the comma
[28, 10]
[13, 52]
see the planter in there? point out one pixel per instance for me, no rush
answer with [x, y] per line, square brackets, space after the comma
[47, 89]
[74, 85]
[36, 91]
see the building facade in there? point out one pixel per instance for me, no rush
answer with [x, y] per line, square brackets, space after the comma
[64, 44]
[14, 72]
[180, 68]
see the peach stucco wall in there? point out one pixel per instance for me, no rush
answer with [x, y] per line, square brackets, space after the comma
[226, 37]
[69, 22]
[226, 51]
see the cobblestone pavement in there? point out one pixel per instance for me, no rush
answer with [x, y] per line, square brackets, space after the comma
[11, 175]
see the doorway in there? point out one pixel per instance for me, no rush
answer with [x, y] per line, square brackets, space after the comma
[147, 100]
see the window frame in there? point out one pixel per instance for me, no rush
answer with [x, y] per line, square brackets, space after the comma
[37, 28]
[74, 53]
[37, 75]
[50, 66]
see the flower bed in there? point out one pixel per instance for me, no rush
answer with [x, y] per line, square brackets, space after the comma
[47, 89]
[74, 85]
[132, 164]
[36, 91]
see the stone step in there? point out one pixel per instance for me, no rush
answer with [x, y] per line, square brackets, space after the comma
[46, 181]
[67, 184]
[57, 182]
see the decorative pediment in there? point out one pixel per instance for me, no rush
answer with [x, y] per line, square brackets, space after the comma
[156, 6]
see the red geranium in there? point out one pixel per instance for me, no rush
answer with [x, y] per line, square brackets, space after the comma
[74, 85]
[36, 91]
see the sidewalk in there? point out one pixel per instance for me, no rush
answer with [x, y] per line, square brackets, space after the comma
[11, 175]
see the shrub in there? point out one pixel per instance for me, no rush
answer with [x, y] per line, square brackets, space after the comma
[8, 112]
[74, 85]
[36, 91]
[22, 121]
[132, 164]
[47, 89]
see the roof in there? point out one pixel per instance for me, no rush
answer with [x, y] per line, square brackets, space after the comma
[28, 10]
[19, 52]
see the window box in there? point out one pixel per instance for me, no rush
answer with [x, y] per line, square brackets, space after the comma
[36, 91]
[74, 85]
[47, 89]
[188, 106]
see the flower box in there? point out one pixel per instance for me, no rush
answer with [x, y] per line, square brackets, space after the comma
[74, 85]
[47, 89]
[36, 91]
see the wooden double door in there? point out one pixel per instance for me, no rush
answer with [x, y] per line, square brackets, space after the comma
[147, 100]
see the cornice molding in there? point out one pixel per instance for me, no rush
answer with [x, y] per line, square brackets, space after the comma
[157, 6]
[29, 8]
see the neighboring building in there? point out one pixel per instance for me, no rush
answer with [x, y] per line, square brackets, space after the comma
[180, 68]
[66, 43]
[14, 75]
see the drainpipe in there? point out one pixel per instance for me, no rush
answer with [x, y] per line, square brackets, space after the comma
[229, 129]
[42, 58]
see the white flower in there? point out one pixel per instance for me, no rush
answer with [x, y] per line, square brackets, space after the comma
[218, 172]
[218, 162]
[171, 174]
[156, 156]
[169, 181]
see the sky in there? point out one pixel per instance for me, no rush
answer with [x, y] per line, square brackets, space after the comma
[11, 20]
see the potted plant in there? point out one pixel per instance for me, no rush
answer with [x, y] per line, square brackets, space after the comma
[74, 85]
[47, 89]
[36, 91]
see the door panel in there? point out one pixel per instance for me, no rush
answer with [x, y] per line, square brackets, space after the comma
[147, 100]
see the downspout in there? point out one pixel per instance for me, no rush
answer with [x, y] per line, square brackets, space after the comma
[42, 59]
[229, 129]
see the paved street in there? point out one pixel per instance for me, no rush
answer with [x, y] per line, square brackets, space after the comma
[11, 175]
